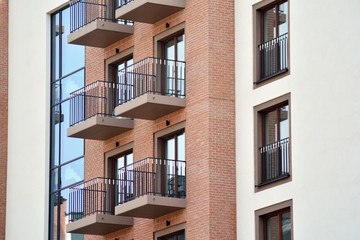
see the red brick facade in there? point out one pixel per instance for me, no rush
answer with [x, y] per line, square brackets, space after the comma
[209, 119]
[3, 110]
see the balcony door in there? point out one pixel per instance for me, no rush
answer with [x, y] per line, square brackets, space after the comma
[174, 166]
[123, 172]
[174, 72]
[124, 81]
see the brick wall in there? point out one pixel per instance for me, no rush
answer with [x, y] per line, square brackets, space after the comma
[3, 110]
[209, 118]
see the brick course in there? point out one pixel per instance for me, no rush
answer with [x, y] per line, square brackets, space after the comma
[209, 118]
[3, 110]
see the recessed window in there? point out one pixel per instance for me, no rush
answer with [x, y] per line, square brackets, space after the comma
[274, 222]
[272, 141]
[272, 39]
[174, 236]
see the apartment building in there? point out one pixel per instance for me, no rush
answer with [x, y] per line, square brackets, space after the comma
[121, 121]
[296, 119]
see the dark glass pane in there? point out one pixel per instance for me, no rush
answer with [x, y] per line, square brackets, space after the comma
[55, 42]
[71, 148]
[270, 127]
[55, 135]
[72, 173]
[269, 31]
[73, 56]
[286, 226]
[53, 217]
[272, 228]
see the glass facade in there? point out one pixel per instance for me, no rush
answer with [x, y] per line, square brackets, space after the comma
[66, 154]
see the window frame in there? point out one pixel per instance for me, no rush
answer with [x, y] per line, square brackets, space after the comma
[259, 110]
[261, 215]
[169, 231]
[159, 150]
[258, 10]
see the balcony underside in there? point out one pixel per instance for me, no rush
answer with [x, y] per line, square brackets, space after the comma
[100, 128]
[150, 106]
[149, 11]
[100, 33]
[150, 206]
[99, 224]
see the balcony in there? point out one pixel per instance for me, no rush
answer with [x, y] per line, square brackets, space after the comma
[274, 161]
[151, 188]
[148, 11]
[93, 23]
[151, 88]
[273, 57]
[91, 112]
[91, 208]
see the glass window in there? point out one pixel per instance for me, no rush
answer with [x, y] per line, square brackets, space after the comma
[174, 54]
[273, 45]
[174, 236]
[277, 226]
[272, 140]
[274, 150]
[66, 159]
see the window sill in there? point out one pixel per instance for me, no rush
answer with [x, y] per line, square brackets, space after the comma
[287, 175]
[271, 76]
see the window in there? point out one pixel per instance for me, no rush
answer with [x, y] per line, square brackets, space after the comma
[119, 165]
[170, 48]
[66, 153]
[174, 236]
[170, 146]
[274, 222]
[176, 232]
[272, 28]
[117, 71]
[273, 141]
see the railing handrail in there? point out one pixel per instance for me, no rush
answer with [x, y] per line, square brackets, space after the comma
[92, 181]
[274, 144]
[274, 40]
[145, 161]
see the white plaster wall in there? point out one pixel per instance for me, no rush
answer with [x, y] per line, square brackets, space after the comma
[325, 127]
[28, 143]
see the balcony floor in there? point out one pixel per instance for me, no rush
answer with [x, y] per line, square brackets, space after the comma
[99, 224]
[150, 106]
[100, 33]
[150, 206]
[149, 11]
[100, 128]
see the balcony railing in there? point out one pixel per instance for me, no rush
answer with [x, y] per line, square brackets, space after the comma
[152, 176]
[83, 12]
[273, 57]
[152, 75]
[97, 98]
[274, 161]
[123, 2]
[94, 196]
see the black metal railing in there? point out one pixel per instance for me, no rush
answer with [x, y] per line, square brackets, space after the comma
[274, 161]
[273, 56]
[94, 196]
[97, 98]
[121, 3]
[83, 12]
[152, 176]
[152, 75]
